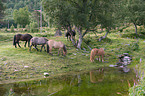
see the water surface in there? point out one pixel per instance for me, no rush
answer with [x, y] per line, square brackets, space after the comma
[99, 82]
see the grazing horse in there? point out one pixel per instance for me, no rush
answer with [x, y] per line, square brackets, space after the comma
[100, 52]
[38, 41]
[57, 45]
[69, 34]
[22, 37]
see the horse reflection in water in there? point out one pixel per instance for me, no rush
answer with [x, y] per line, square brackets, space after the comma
[97, 76]
[38, 41]
[21, 37]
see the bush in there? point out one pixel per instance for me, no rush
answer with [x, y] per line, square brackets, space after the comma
[18, 26]
[34, 27]
[6, 29]
[12, 28]
[27, 28]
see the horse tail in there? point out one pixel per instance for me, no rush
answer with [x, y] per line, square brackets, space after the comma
[14, 40]
[47, 47]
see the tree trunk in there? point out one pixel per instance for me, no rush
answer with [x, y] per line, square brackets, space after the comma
[101, 38]
[85, 33]
[135, 28]
[80, 38]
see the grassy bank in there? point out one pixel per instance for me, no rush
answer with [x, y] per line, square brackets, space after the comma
[18, 64]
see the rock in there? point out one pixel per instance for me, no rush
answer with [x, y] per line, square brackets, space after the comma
[46, 74]
[26, 66]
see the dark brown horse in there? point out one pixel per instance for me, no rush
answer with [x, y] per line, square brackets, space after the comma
[21, 37]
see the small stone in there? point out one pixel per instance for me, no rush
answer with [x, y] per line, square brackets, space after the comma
[26, 66]
[46, 74]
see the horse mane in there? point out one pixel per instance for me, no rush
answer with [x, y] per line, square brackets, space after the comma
[64, 48]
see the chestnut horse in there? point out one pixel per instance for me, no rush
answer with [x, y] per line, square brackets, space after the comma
[22, 37]
[57, 45]
[38, 41]
[100, 52]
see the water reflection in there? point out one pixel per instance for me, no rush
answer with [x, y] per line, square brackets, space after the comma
[97, 75]
[99, 82]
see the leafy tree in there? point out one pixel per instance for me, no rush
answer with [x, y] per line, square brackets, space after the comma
[84, 14]
[135, 12]
[1, 9]
[12, 28]
[21, 16]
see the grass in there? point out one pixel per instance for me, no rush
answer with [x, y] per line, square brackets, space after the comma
[18, 64]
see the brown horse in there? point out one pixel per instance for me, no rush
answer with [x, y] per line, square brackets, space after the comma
[38, 41]
[100, 52]
[22, 37]
[57, 45]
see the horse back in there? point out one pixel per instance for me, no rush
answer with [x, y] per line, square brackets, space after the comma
[55, 44]
[26, 37]
[38, 40]
[101, 52]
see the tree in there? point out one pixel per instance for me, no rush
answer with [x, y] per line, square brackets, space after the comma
[135, 12]
[21, 16]
[85, 15]
[1, 9]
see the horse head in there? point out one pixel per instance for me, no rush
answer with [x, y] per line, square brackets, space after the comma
[64, 50]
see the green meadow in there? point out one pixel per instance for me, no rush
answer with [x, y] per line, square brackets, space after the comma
[18, 64]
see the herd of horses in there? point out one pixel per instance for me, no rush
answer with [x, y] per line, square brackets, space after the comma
[34, 41]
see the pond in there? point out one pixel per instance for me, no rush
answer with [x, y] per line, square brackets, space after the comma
[109, 81]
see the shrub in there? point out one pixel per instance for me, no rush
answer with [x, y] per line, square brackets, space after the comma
[12, 28]
[6, 29]
[27, 28]
[34, 27]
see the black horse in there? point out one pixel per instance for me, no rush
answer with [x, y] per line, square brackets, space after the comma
[22, 37]
[68, 34]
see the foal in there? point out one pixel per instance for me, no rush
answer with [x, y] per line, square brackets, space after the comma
[100, 52]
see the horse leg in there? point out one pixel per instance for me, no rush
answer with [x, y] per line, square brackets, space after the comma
[59, 51]
[28, 43]
[102, 58]
[16, 45]
[19, 44]
[25, 44]
[41, 47]
[36, 47]
[99, 58]
[30, 48]
[50, 51]
[44, 48]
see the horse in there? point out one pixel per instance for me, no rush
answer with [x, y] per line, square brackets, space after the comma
[57, 45]
[22, 37]
[38, 41]
[100, 52]
[68, 34]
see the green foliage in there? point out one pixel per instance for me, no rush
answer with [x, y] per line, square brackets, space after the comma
[6, 29]
[28, 28]
[138, 90]
[18, 26]
[34, 27]
[21, 16]
[12, 28]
